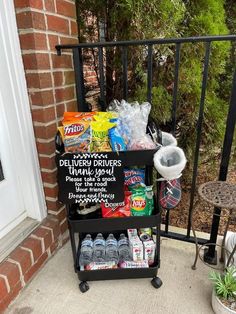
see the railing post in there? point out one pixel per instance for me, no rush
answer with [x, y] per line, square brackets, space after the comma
[210, 254]
[149, 74]
[79, 79]
[199, 132]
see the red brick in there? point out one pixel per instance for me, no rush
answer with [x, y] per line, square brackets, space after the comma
[49, 6]
[3, 288]
[43, 115]
[38, 80]
[71, 106]
[11, 271]
[63, 94]
[62, 215]
[66, 8]
[47, 162]
[46, 148]
[54, 206]
[74, 28]
[68, 41]
[10, 297]
[69, 77]
[53, 41]
[64, 61]
[23, 257]
[42, 98]
[64, 227]
[30, 19]
[60, 109]
[45, 235]
[45, 132]
[51, 192]
[34, 245]
[36, 4]
[49, 177]
[32, 271]
[54, 246]
[39, 61]
[35, 41]
[58, 78]
[57, 24]
[52, 224]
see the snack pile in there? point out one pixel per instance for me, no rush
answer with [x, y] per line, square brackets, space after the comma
[122, 127]
[138, 197]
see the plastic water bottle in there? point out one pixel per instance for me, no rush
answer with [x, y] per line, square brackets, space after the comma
[123, 248]
[111, 249]
[86, 251]
[99, 248]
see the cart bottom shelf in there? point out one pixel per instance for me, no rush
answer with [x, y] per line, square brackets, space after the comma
[119, 273]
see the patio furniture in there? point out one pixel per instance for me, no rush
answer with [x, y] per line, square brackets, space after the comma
[219, 194]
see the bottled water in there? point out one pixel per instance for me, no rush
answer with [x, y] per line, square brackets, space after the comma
[99, 248]
[86, 251]
[123, 248]
[111, 249]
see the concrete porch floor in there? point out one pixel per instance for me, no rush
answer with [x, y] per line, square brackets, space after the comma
[55, 289]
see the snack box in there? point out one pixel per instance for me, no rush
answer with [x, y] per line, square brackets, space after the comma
[132, 233]
[136, 248]
[149, 251]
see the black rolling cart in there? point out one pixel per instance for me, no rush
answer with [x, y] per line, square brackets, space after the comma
[79, 227]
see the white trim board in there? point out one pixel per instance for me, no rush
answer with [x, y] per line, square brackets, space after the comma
[10, 241]
[27, 163]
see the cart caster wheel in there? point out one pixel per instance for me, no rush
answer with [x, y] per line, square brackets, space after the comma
[83, 286]
[156, 282]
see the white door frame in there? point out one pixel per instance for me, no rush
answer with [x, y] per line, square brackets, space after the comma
[27, 164]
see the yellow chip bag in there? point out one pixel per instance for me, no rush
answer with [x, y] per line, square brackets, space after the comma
[105, 116]
[100, 139]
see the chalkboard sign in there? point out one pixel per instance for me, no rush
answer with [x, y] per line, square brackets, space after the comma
[90, 177]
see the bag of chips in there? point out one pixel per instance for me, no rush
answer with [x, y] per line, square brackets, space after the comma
[119, 209]
[77, 136]
[142, 201]
[72, 116]
[100, 139]
[134, 177]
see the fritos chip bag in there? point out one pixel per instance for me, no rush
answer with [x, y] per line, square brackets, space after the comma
[71, 116]
[77, 136]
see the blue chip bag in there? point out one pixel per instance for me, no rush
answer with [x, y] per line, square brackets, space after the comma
[134, 177]
[116, 140]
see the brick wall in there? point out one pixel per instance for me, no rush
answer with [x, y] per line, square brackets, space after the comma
[50, 79]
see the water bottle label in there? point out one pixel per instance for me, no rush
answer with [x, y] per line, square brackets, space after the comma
[87, 243]
[99, 242]
[123, 242]
[111, 242]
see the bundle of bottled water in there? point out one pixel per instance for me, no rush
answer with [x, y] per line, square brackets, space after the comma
[103, 251]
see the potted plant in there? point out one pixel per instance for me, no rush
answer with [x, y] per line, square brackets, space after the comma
[224, 291]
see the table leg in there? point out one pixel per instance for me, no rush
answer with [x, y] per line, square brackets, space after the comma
[224, 237]
[195, 238]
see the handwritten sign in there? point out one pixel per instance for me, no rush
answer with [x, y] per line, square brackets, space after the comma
[86, 178]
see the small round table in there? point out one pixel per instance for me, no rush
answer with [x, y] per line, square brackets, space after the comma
[219, 194]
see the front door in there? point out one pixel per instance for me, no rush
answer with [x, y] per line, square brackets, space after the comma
[21, 191]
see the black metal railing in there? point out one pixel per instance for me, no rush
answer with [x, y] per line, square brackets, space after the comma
[78, 50]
